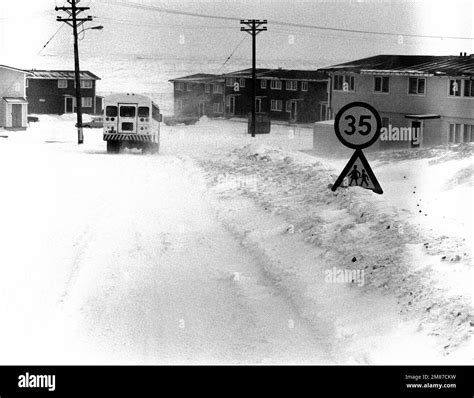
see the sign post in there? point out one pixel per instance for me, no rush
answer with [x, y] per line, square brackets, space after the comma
[357, 125]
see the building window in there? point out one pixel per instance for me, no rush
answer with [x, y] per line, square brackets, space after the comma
[230, 82]
[454, 133]
[62, 83]
[178, 105]
[416, 86]
[86, 83]
[217, 89]
[381, 84]
[455, 87]
[288, 106]
[458, 86]
[275, 85]
[344, 83]
[86, 102]
[189, 86]
[218, 107]
[291, 85]
[263, 83]
[207, 88]
[276, 105]
[468, 135]
[242, 82]
[304, 86]
[469, 88]
[179, 86]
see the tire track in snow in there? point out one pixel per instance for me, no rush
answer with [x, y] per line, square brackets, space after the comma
[196, 296]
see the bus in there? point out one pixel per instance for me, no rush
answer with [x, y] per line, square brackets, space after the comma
[131, 121]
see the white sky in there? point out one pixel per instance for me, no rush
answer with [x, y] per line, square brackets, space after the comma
[26, 25]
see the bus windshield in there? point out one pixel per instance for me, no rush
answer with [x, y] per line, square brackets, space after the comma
[111, 111]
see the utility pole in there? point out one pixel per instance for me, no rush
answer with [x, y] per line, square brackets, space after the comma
[74, 22]
[254, 27]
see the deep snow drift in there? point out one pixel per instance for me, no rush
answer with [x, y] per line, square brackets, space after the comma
[417, 265]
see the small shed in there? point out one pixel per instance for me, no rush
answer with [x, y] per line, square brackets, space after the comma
[14, 112]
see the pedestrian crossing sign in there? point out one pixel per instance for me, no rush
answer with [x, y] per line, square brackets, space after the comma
[358, 173]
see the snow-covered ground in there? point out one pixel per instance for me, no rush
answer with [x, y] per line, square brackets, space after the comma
[218, 250]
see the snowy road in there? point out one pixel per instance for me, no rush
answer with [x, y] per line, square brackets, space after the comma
[160, 280]
[129, 264]
[139, 259]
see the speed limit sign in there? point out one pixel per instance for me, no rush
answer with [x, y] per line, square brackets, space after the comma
[357, 125]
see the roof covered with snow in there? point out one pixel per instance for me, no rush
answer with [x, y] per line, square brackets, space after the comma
[281, 74]
[198, 77]
[62, 74]
[432, 65]
[14, 69]
[15, 100]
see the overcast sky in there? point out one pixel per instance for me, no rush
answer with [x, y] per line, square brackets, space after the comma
[26, 25]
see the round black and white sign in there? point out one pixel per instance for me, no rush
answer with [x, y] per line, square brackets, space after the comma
[357, 125]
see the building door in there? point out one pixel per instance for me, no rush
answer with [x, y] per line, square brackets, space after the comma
[231, 105]
[323, 111]
[258, 105]
[416, 136]
[17, 113]
[202, 109]
[293, 111]
[69, 105]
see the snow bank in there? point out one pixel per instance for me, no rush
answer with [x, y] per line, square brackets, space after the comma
[424, 270]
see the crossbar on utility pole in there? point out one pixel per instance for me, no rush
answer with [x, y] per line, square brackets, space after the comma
[254, 27]
[74, 22]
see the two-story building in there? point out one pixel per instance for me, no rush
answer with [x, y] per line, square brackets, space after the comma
[13, 103]
[198, 95]
[432, 96]
[54, 92]
[298, 96]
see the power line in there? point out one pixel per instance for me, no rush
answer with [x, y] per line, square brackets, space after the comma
[51, 38]
[231, 54]
[283, 23]
[169, 11]
[161, 25]
[297, 25]
[276, 30]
